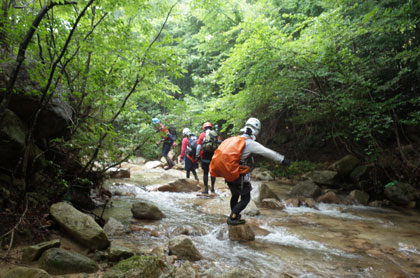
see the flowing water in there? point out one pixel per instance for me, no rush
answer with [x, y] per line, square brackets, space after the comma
[328, 241]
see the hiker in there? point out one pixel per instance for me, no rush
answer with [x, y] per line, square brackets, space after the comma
[208, 141]
[167, 139]
[188, 151]
[230, 161]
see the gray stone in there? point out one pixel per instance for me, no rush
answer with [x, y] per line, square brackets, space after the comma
[185, 271]
[114, 227]
[361, 172]
[345, 165]
[153, 164]
[183, 247]
[262, 174]
[265, 193]
[305, 189]
[237, 273]
[400, 193]
[118, 173]
[117, 252]
[359, 197]
[80, 226]
[143, 209]
[58, 261]
[324, 177]
[251, 209]
[137, 266]
[33, 252]
[272, 204]
[25, 272]
[242, 232]
[181, 185]
[329, 198]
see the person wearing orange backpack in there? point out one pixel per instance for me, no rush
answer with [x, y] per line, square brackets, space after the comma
[230, 162]
[188, 150]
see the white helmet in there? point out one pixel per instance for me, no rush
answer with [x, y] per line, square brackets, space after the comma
[254, 124]
[186, 131]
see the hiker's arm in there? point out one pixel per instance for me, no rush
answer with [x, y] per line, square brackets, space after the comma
[183, 147]
[254, 147]
[199, 143]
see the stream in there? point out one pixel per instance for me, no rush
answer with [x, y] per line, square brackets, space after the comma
[326, 241]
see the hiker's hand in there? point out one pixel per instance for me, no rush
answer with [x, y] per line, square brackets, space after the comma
[286, 162]
[174, 144]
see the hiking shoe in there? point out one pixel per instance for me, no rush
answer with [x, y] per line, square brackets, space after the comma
[234, 222]
[205, 192]
[168, 167]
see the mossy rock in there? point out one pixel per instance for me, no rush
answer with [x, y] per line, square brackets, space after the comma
[137, 266]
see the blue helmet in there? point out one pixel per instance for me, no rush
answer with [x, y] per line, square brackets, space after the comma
[155, 121]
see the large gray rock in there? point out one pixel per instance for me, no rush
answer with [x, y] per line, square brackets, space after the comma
[272, 204]
[143, 209]
[262, 174]
[33, 252]
[323, 177]
[153, 164]
[181, 185]
[329, 198]
[80, 226]
[25, 272]
[242, 232]
[345, 165]
[118, 173]
[117, 252]
[305, 189]
[58, 261]
[361, 172]
[400, 193]
[183, 247]
[265, 193]
[114, 227]
[251, 209]
[237, 273]
[359, 197]
[137, 266]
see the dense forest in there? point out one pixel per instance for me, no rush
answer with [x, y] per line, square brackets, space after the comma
[81, 81]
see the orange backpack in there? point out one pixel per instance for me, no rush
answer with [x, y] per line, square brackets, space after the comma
[225, 161]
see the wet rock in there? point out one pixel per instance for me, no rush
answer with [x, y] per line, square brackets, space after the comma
[241, 232]
[80, 226]
[183, 247]
[159, 252]
[345, 165]
[272, 204]
[58, 261]
[181, 185]
[324, 177]
[32, 253]
[292, 202]
[186, 270]
[262, 174]
[400, 193]
[376, 204]
[411, 204]
[307, 202]
[237, 273]
[114, 227]
[265, 192]
[361, 244]
[137, 266]
[139, 160]
[117, 253]
[118, 173]
[145, 210]
[251, 209]
[329, 198]
[359, 197]
[305, 189]
[153, 164]
[375, 253]
[25, 272]
[361, 172]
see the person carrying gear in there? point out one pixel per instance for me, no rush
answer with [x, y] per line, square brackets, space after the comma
[188, 152]
[167, 139]
[205, 155]
[230, 162]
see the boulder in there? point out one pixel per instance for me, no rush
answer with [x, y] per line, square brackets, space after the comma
[237, 273]
[251, 209]
[58, 261]
[292, 202]
[307, 202]
[117, 252]
[153, 164]
[183, 247]
[33, 252]
[400, 193]
[118, 173]
[272, 204]
[329, 198]
[137, 266]
[80, 226]
[181, 185]
[241, 232]
[359, 197]
[25, 272]
[345, 165]
[114, 227]
[305, 189]
[324, 177]
[186, 270]
[143, 209]
[361, 172]
[265, 193]
[262, 174]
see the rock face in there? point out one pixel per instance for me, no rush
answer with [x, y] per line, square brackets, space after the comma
[400, 193]
[181, 185]
[80, 226]
[32, 253]
[137, 266]
[25, 272]
[183, 247]
[241, 233]
[145, 210]
[305, 189]
[59, 261]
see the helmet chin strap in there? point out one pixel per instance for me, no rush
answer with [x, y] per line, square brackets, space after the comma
[244, 129]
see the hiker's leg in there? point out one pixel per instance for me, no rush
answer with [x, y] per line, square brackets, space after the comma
[194, 173]
[241, 205]
[165, 151]
[213, 181]
[234, 201]
[188, 174]
[205, 167]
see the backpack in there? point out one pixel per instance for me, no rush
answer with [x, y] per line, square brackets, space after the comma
[192, 145]
[172, 131]
[211, 141]
[226, 158]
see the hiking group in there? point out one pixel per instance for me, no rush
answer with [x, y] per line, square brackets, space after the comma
[231, 159]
